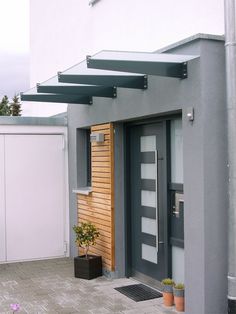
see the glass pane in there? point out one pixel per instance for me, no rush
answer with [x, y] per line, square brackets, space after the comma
[177, 264]
[149, 253]
[148, 143]
[149, 226]
[148, 171]
[176, 151]
[148, 198]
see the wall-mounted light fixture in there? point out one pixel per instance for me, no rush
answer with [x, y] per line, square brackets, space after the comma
[97, 137]
[190, 113]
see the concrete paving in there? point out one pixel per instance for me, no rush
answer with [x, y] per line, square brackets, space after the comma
[49, 286]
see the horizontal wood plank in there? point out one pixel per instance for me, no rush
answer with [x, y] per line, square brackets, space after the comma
[101, 170]
[98, 154]
[101, 144]
[100, 127]
[100, 149]
[102, 164]
[95, 205]
[95, 220]
[101, 190]
[101, 177]
[98, 211]
[100, 226]
[104, 241]
[96, 251]
[101, 159]
[101, 195]
[95, 199]
[99, 185]
[93, 214]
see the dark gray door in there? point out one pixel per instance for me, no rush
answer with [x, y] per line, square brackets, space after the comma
[147, 164]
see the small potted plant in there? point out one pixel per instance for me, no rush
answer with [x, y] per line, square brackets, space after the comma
[87, 266]
[167, 291]
[179, 297]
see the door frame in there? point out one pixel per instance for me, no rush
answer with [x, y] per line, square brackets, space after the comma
[166, 196]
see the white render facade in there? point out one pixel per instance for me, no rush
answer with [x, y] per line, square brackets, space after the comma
[63, 32]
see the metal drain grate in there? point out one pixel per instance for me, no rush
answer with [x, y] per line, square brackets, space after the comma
[139, 292]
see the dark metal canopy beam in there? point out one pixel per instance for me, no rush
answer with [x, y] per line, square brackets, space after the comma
[52, 86]
[89, 90]
[56, 98]
[80, 74]
[160, 64]
[136, 82]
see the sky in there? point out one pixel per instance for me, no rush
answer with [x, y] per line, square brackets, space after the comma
[14, 47]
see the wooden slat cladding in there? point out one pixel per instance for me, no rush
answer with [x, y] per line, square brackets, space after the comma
[98, 206]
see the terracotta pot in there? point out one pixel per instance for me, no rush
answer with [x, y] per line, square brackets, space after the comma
[179, 303]
[179, 299]
[168, 298]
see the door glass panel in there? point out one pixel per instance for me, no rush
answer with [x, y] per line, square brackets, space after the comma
[148, 225]
[148, 171]
[148, 198]
[148, 143]
[149, 253]
[176, 151]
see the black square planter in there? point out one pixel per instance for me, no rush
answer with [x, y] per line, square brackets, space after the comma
[88, 268]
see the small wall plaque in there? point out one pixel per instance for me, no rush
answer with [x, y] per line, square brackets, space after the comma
[97, 137]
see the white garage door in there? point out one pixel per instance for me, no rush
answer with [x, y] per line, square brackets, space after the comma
[34, 209]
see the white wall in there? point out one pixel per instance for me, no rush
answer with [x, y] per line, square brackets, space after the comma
[2, 202]
[63, 32]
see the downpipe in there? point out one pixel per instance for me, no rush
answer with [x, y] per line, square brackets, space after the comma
[230, 51]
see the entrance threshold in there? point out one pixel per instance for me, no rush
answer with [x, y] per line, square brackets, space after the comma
[148, 281]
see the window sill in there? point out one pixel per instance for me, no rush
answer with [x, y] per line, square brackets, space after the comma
[86, 190]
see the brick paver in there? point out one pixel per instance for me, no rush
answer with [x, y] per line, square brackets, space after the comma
[49, 287]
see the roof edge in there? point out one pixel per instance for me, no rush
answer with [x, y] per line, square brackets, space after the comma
[39, 121]
[191, 38]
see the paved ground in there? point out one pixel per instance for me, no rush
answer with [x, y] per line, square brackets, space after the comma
[50, 287]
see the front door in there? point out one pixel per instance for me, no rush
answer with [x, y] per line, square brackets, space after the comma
[147, 200]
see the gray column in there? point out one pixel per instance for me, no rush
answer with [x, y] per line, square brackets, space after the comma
[230, 48]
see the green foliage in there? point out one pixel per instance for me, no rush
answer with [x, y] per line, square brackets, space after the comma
[179, 286]
[168, 282]
[86, 235]
[4, 107]
[15, 106]
[10, 109]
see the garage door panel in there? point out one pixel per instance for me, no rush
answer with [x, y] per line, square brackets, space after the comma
[2, 203]
[35, 194]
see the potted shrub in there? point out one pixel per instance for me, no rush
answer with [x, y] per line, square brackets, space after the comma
[87, 266]
[167, 291]
[179, 297]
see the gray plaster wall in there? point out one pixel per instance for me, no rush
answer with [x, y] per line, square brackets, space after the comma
[205, 159]
[215, 177]
[77, 176]
[205, 186]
